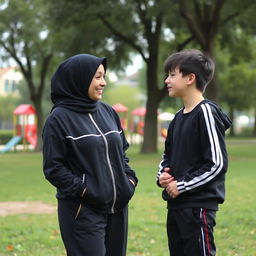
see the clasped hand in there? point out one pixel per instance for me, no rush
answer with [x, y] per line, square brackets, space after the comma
[167, 181]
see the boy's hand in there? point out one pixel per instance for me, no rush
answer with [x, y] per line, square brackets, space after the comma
[172, 190]
[165, 178]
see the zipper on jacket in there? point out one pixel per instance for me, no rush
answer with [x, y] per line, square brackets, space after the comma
[80, 205]
[108, 160]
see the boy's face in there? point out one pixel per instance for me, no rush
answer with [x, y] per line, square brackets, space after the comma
[176, 83]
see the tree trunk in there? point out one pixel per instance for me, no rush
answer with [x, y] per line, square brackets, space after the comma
[211, 92]
[36, 96]
[154, 97]
[39, 114]
[203, 24]
[149, 144]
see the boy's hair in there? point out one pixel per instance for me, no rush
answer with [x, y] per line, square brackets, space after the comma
[192, 61]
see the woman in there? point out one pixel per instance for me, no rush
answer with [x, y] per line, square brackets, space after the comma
[84, 158]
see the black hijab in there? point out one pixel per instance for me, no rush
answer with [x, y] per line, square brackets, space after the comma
[70, 83]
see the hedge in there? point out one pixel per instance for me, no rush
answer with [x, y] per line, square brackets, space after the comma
[5, 136]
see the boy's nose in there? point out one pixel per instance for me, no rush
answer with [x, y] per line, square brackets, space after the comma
[166, 80]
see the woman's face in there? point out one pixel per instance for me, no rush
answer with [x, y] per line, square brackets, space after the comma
[97, 84]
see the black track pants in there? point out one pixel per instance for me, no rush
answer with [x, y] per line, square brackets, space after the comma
[190, 232]
[92, 233]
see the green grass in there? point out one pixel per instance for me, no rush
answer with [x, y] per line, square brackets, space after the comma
[21, 179]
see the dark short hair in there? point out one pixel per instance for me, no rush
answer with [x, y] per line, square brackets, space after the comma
[192, 61]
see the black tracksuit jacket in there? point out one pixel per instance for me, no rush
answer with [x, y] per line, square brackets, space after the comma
[88, 151]
[195, 152]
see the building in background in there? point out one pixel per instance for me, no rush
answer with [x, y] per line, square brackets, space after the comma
[9, 79]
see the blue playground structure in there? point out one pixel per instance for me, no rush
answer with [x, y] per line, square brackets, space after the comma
[11, 143]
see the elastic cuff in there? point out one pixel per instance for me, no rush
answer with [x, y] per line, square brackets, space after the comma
[158, 184]
[181, 186]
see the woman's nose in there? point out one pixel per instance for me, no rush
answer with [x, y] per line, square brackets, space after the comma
[103, 82]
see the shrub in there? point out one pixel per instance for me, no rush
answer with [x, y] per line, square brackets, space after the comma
[5, 136]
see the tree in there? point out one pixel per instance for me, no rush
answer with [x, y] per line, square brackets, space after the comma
[237, 71]
[147, 22]
[237, 86]
[96, 29]
[205, 19]
[25, 38]
[142, 30]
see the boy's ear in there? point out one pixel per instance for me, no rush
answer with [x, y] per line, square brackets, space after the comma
[191, 78]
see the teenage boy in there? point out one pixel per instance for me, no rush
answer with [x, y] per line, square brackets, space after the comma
[194, 163]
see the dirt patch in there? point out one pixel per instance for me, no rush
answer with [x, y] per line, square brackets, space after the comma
[13, 208]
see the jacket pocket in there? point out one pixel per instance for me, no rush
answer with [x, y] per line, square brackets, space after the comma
[125, 192]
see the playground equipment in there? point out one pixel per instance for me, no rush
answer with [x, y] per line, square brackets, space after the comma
[137, 121]
[164, 120]
[122, 112]
[25, 129]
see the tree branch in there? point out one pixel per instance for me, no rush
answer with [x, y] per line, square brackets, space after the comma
[32, 88]
[26, 52]
[14, 56]
[146, 22]
[192, 26]
[122, 36]
[237, 13]
[216, 15]
[183, 44]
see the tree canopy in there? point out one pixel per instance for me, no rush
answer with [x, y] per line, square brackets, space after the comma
[25, 38]
[36, 34]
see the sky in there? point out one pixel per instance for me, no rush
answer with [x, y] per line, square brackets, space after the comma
[136, 64]
[132, 68]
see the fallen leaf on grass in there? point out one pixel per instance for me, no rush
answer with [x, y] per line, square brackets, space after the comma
[9, 247]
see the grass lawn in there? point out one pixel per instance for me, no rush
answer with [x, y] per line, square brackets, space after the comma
[21, 179]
